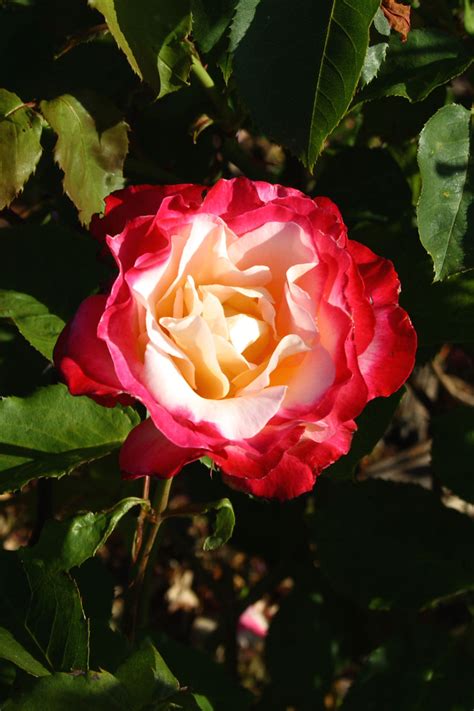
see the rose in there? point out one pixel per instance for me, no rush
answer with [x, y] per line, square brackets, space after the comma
[252, 329]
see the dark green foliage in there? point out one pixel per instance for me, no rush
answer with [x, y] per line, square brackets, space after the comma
[367, 583]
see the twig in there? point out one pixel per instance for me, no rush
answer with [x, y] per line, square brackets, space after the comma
[140, 588]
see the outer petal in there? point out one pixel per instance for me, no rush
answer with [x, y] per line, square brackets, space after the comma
[389, 358]
[84, 360]
[140, 200]
[147, 452]
[297, 470]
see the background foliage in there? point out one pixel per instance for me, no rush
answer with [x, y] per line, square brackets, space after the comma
[367, 585]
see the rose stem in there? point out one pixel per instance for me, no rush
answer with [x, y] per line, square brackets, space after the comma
[207, 82]
[137, 543]
[141, 583]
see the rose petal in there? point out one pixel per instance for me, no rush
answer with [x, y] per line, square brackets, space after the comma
[84, 360]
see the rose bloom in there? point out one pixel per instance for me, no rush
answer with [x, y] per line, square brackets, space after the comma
[248, 324]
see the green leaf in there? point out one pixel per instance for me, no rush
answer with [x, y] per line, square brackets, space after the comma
[223, 524]
[153, 36]
[414, 68]
[147, 677]
[66, 544]
[398, 547]
[51, 433]
[197, 670]
[91, 148]
[14, 652]
[211, 18]
[243, 18]
[453, 451]
[45, 291]
[55, 616]
[373, 61]
[33, 320]
[298, 76]
[94, 691]
[421, 668]
[20, 147]
[14, 603]
[446, 206]
[371, 427]
[43, 612]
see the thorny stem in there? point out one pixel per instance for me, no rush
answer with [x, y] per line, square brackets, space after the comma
[141, 582]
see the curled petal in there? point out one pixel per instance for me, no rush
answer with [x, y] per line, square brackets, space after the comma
[83, 359]
[147, 452]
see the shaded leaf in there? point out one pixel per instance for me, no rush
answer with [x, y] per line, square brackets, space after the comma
[453, 451]
[14, 604]
[66, 544]
[299, 102]
[14, 652]
[152, 34]
[55, 617]
[197, 670]
[211, 19]
[95, 691]
[398, 16]
[45, 291]
[413, 69]
[398, 547]
[51, 433]
[91, 148]
[422, 668]
[223, 524]
[446, 206]
[35, 323]
[147, 677]
[20, 147]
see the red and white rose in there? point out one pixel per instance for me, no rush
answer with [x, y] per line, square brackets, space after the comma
[248, 324]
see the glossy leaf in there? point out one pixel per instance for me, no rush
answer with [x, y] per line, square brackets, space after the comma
[399, 546]
[414, 68]
[153, 36]
[66, 544]
[91, 148]
[51, 433]
[453, 451]
[146, 677]
[20, 147]
[446, 205]
[14, 652]
[223, 525]
[95, 691]
[45, 291]
[299, 101]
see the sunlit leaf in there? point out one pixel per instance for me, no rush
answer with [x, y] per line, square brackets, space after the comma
[446, 205]
[91, 148]
[20, 147]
